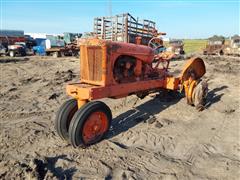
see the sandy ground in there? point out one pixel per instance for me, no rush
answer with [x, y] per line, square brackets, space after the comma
[155, 138]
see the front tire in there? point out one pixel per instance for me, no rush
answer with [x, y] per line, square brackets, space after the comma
[90, 124]
[64, 117]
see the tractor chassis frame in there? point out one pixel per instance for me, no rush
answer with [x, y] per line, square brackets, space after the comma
[84, 92]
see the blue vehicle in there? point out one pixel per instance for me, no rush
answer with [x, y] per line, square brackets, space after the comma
[40, 48]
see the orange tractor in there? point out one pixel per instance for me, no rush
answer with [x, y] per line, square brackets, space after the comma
[126, 60]
[116, 69]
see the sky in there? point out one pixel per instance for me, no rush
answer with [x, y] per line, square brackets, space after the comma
[178, 18]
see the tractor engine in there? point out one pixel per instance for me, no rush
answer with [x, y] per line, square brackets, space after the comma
[108, 62]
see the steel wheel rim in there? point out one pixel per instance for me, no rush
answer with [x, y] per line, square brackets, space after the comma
[94, 127]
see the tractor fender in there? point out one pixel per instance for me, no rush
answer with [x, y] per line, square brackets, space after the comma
[195, 65]
[190, 79]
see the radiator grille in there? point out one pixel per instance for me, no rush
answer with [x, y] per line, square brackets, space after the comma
[92, 64]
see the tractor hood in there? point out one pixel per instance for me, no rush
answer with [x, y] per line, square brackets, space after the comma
[142, 52]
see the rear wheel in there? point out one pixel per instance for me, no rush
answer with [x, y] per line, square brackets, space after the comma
[90, 124]
[64, 117]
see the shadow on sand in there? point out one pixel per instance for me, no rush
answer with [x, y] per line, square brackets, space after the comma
[49, 164]
[213, 97]
[143, 113]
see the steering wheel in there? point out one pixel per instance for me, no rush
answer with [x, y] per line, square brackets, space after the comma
[156, 44]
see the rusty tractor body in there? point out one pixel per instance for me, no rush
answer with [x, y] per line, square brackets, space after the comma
[124, 57]
[234, 47]
[114, 70]
[176, 47]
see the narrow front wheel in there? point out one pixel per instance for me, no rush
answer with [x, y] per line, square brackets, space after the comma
[64, 117]
[90, 124]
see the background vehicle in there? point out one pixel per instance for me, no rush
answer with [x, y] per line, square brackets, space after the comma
[17, 49]
[125, 28]
[13, 42]
[215, 46]
[70, 38]
[29, 44]
[234, 47]
[176, 47]
[58, 46]
[39, 48]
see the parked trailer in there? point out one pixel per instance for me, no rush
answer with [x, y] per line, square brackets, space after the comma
[69, 38]
[63, 46]
[125, 28]
[68, 50]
